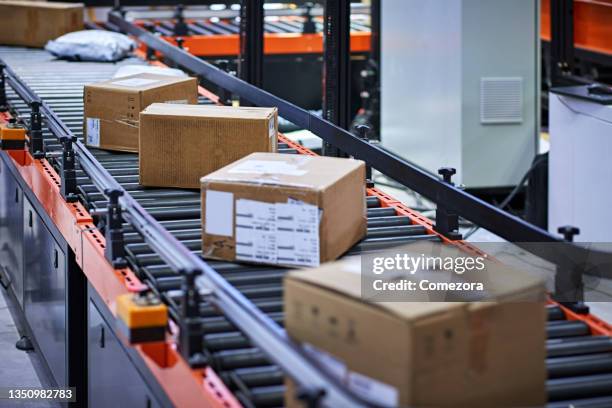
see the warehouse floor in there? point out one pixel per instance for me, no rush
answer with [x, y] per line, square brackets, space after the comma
[17, 368]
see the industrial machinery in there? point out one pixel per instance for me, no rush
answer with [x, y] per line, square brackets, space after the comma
[580, 120]
[83, 234]
[442, 72]
[292, 44]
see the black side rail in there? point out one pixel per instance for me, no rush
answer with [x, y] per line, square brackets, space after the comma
[315, 384]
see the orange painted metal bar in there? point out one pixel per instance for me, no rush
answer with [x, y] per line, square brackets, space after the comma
[597, 326]
[592, 24]
[274, 44]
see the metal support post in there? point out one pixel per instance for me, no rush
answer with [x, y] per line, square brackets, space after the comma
[310, 26]
[3, 101]
[150, 53]
[363, 133]
[250, 62]
[35, 133]
[562, 40]
[225, 97]
[569, 287]
[191, 325]
[68, 189]
[336, 68]
[114, 250]
[180, 27]
[447, 221]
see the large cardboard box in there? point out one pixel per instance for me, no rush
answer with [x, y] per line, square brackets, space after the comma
[112, 107]
[181, 143]
[33, 23]
[283, 209]
[423, 354]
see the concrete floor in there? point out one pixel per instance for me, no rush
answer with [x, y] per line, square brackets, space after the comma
[17, 368]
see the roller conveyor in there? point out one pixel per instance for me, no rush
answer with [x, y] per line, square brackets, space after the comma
[579, 364]
[215, 26]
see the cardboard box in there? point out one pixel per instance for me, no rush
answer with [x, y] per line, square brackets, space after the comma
[33, 23]
[181, 143]
[112, 107]
[423, 354]
[283, 209]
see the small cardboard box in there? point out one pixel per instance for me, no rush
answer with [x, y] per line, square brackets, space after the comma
[33, 23]
[283, 209]
[181, 143]
[112, 107]
[422, 354]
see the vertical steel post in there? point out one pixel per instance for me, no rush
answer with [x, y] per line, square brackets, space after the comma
[190, 342]
[447, 221]
[561, 40]
[114, 250]
[336, 67]
[250, 61]
[3, 101]
[569, 285]
[68, 188]
[35, 131]
[375, 66]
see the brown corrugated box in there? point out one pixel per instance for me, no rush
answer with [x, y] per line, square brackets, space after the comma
[181, 143]
[459, 354]
[283, 209]
[33, 23]
[112, 107]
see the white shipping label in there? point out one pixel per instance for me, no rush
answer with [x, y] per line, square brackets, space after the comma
[368, 388]
[93, 132]
[267, 167]
[135, 82]
[271, 127]
[297, 226]
[255, 231]
[219, 214]
[372, 390]
[178, 102]
[280, 233]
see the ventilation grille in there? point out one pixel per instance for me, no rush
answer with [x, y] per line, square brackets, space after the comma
[501, 100]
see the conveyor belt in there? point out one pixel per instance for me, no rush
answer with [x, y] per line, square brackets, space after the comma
[580, 365]
[215, 26]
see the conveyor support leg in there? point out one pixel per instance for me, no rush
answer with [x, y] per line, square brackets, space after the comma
[36, 139]
[569, 287]
[68, 188]
[3, 102]
[191, 325]
[447, 221]
[114, 250]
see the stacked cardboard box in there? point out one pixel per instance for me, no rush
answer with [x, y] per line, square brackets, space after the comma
[33, 23]
[181, 143]
[283, 209]
[435, 354]
[112, 108]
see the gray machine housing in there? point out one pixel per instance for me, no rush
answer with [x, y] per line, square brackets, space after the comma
[460, 86]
